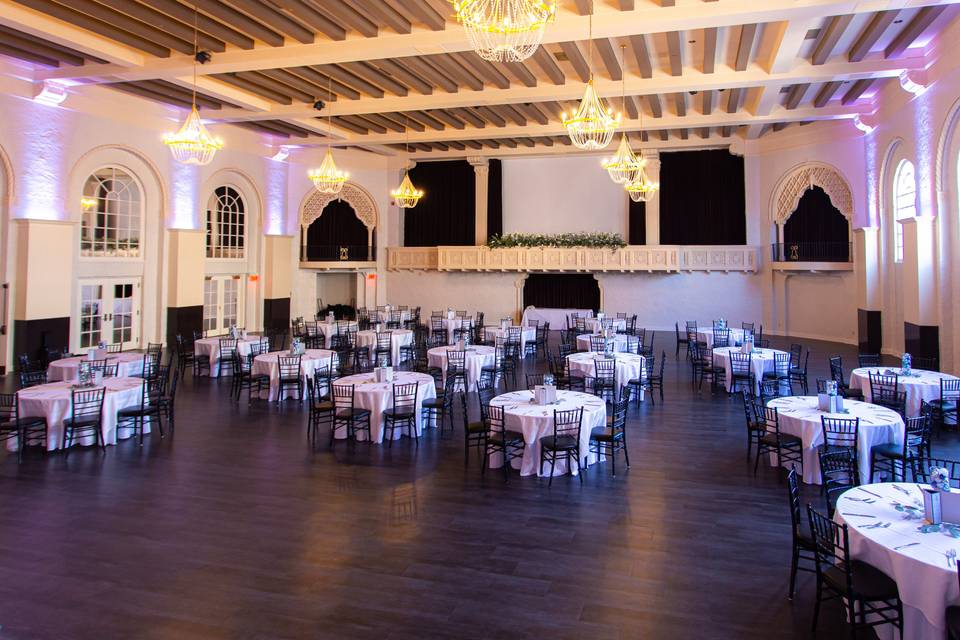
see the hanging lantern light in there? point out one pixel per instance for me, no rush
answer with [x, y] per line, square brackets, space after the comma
[406, 195]
[328, 179]
[592, 126]
[504, 30]
[193, 144]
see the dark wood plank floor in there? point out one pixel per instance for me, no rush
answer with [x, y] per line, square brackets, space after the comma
[234, 528]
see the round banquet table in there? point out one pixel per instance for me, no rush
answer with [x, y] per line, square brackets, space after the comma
[477, 357]
[892, 542]
[920, 385]
[761, 361]
[705, 334]
[330, 329]
[629, 366]
[384, 316]
[378, 397]
[398, 338]
[593, 325]
[800, 417]
[527, 334]
[210, 348]
[619, 342]
[535, 421]
[269, 364]
[53, 401]
[68, 369]
[450, 325]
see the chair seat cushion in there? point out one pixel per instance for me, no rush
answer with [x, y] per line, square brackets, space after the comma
[82, 422]
[324, 405]
[869, 581]
[355, 413]
[432, 403]
[399, 414]
[770, 439]
[853, 394]
[130, 412]
[888, 450]
[605, 435]
[944, 405]
[477, 427]
[558, 442]
[511, 437]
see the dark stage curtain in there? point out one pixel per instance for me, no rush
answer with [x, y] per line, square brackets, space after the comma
[637, 223]
[816, 230]
[702, 198]
[445, 215]
[337, 227]
[495, 199]
[561, 291]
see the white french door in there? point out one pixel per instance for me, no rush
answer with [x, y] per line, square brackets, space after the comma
[222, 304]
[109, 312]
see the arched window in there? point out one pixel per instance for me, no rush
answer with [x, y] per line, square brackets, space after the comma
[226, 224]
[112, 215]
[904, 203]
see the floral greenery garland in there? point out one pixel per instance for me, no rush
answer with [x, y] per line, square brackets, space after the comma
[601, 240]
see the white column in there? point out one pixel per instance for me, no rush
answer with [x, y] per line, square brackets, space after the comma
[920, 299]
[653, 204]
[866, 264]
[481, 172]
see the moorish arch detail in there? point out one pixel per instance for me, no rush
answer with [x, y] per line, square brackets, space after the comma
[353, 194]
[795, 183]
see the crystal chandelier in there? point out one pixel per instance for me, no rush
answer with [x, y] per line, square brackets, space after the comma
[624, 165]
[504, 30]
[193, 144]
[592, 126]
[641, 188]
[328, 179]
[406, 195]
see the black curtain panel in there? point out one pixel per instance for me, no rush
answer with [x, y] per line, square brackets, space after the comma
[562, 291]
[637, 223]
[816, 230]
[446, 213]
[337, 228]
[702, 199]
[495, 199]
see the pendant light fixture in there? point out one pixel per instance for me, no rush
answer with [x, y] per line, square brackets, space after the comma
[193, 144]
[592, 126]
[328, 179]
[641, 188]
[406, 195]
[624, 165]
[504, 30]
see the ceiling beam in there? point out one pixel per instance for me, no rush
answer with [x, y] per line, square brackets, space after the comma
[795, 95]
[549, 66]
[576, 59]
[609, 57]
[674, 53]
[829, 36]
[788, 38]
[709, 50]
[639, 45]
[912, 31]
[745, 46]
[871, 33]
[857, 90]
[826, 93]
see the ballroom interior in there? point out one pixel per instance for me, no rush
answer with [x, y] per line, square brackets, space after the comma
[479, 319]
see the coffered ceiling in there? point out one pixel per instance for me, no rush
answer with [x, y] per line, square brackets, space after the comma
[694, 71]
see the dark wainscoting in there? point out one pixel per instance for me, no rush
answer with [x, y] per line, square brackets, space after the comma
[870, 331]
[921, 341]
[34, 337]
[183, 320]
[276, 313]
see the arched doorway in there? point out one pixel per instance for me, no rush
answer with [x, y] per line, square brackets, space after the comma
[816, 230]
[338, 234]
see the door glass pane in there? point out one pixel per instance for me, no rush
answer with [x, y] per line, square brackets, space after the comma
[209, 305]
[230, 292]
[91, 302]
[122, 313]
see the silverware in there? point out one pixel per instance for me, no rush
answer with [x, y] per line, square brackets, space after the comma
[904, 546]
[870, 492]
[902, 490]
[951, 557]
[858, 515]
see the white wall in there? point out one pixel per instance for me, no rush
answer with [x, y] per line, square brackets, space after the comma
[561, 195]
[336, 288]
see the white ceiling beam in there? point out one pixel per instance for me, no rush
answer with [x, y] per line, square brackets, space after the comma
[692, 80]
[40, 25]
[607, 23]
[223, 91]
[715, 141]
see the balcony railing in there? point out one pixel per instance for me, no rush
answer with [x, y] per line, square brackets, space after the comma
[812, 252]
[337, 253]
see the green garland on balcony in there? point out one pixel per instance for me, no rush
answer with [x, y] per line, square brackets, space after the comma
[595, 240]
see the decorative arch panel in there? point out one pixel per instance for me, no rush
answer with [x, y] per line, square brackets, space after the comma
[794, 184]
[356, 196]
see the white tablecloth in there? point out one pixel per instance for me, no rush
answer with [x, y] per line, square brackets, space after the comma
[762, 360]
[800, 417]
[53, 401]
[527, 334]
[68, 369]
[449, 326]
[378, 397]
[331, 329]
[920, 385]
[926, 582]
[558, 318]
[629, 366]
[535, 421]
[269, 364]
[210, 348]
[619, 342]
[384, 316]
[705, 334]
[398, 338]
[477, 358]
[593, 325]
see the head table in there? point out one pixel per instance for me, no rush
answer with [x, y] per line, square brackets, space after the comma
[800, 417]
[884, 526]
[920, 385]
[378, 397]
[54, 400]
[535, 421]
[68, 369]
[269, 364]
[477, 357]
